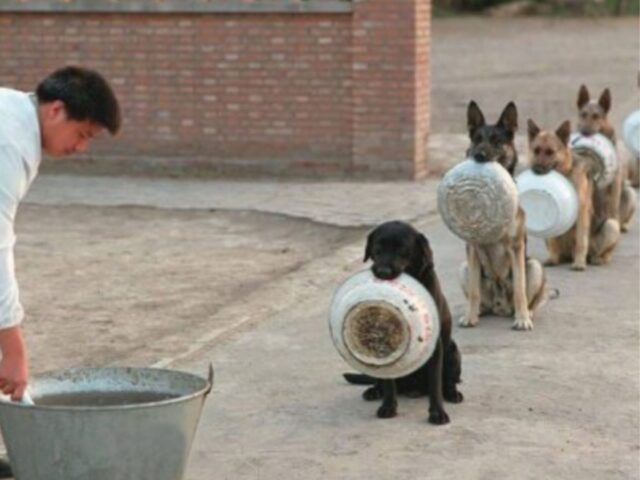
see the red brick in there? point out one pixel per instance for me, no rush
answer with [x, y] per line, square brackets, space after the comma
[317, 94]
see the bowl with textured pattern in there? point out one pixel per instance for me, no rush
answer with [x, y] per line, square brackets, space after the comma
[598, 150]
[478, 201]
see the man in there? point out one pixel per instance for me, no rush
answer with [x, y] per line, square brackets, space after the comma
[69, 108]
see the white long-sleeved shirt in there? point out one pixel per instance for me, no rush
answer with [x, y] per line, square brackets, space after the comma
[20, 155]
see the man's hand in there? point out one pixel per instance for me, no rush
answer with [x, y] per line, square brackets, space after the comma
[14, 370]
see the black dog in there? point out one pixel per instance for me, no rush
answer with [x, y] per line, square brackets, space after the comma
[396, 247]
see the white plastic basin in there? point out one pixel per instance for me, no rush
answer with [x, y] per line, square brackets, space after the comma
[550, 203]
[631, 133]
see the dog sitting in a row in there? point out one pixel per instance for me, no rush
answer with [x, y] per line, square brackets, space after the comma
[499, 278]
[602, 213]
[593, 118]
[504, 280]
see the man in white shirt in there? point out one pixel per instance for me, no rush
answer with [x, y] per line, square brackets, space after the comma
[69, 108]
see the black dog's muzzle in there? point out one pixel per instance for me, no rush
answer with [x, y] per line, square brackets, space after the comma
[384, 272]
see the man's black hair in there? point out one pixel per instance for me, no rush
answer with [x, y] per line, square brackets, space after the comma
[85, 94]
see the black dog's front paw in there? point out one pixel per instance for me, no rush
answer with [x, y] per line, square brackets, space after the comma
[438, 417]
[387, 411]
[453, 396]
[372, 393]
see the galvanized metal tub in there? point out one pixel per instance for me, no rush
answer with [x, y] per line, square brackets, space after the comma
[88, 435]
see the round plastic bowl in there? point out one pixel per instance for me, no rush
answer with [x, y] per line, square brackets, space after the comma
[601, 151]
[384, 328]
[549, 201]
[631, 133]
[478, 201]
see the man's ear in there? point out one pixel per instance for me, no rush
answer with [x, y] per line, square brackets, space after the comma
[55, 109]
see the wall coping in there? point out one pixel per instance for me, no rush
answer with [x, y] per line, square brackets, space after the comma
[177, 6]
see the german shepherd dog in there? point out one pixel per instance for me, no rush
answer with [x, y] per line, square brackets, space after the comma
[592, 118]
[498, 278]
[595, 235]
[396, 247]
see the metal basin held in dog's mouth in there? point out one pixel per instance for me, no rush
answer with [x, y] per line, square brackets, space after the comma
[105, 424]
[384, 328]
[478, 201]
[600, 152]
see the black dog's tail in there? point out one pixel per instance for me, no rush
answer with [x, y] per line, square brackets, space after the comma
[359, 378]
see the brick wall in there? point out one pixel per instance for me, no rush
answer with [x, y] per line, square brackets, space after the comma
[278, 87]
[391, 86]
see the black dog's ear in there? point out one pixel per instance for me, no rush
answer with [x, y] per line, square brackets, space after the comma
[475, 118]
[509, 118]
[605, 100]
[426, 251]
[367, 249]
[583, 96]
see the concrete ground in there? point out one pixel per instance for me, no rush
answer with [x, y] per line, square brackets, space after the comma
[180, 273]
[249, 292]
[560, 402]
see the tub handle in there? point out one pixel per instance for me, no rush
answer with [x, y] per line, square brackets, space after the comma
[26, 399]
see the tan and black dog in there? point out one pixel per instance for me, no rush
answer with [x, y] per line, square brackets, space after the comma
[592, 118]
[498, 278]
[595, 235]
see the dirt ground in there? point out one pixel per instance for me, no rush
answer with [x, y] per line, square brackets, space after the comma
[130, 286]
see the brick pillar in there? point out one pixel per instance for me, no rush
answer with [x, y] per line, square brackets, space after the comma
[391, 40]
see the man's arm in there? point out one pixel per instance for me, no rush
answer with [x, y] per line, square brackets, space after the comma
[14, 370]
[13, 365]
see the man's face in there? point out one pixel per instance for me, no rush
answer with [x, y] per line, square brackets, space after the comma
[60, 135]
